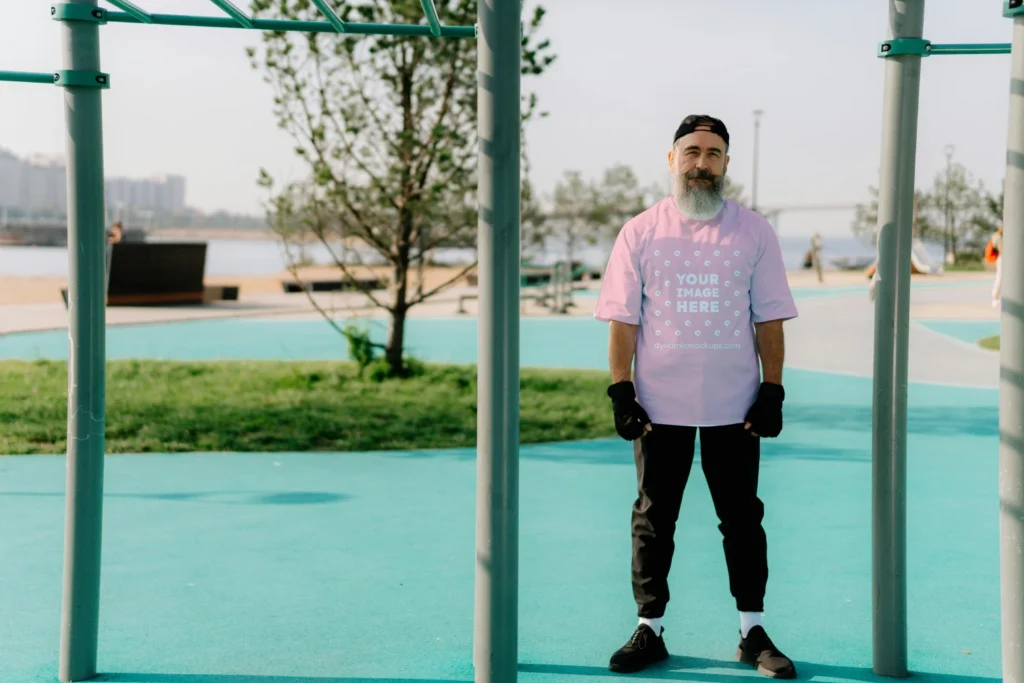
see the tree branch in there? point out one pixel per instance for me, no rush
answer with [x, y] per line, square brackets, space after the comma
[435, 140]
[371, 108]
[346, 143]
[447, 283]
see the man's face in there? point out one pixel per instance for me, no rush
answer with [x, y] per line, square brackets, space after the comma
[698, 155]
[698, 163]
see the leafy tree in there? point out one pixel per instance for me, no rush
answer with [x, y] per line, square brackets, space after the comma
[973, 213]
[956, 200]
[387, 127]
[585, 211]
[865, 221]
[534, 224]
[991, 217]
[734, 191]
[575, 216]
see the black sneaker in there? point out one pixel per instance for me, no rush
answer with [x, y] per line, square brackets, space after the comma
[643, 649]
[758, 650]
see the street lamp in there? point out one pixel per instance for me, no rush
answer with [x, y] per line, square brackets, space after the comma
[950, 256]
[757, 136]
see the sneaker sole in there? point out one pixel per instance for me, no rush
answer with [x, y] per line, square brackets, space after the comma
[763, 671]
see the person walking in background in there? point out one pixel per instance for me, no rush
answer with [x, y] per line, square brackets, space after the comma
[114, 236]
[695, 291]
[116, 233]
[816, 256]
[996, 250]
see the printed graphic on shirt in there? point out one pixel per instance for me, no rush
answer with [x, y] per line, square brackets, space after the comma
[700, 298]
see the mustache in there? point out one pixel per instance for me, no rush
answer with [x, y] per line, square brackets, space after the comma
[700, 175]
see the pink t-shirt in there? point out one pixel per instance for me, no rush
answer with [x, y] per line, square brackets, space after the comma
[695, 288]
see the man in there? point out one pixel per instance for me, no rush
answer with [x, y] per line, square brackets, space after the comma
[696, 289]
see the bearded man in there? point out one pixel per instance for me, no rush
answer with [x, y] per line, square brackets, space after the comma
[695, 292]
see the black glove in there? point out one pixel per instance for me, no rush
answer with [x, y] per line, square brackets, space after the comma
[630, 417]
[765, 416]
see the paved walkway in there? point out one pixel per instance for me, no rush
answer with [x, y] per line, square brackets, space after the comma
[836, 334]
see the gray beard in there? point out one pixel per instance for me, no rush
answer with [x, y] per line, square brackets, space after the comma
[699, 202]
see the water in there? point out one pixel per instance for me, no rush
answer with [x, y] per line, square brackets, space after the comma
[230, 257]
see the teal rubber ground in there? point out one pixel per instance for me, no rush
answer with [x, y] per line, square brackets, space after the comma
[341, 568]
[546, 342]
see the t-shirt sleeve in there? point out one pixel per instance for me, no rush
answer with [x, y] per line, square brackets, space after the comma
[621, 294]
[770, 296]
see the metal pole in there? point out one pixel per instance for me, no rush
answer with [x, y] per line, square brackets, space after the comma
[86, 355]
[497, 533]
[1011, 382]
[892, 312]
[757, 149]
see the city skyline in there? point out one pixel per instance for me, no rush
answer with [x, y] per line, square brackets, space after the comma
[37, 183]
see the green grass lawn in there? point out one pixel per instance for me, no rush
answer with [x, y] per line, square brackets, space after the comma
[991, 343]
[289, 406]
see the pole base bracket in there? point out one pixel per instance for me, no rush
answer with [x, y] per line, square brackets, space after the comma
[905, 46]
[81, 78]
[68, 12]
[1013, 8]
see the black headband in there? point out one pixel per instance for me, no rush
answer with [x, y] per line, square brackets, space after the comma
[695, 122]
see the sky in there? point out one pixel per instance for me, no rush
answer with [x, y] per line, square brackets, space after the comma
[186, 100]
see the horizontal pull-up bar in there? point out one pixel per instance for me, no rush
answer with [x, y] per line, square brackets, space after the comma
[972, 49]
[301, 26]
[925, 48]
[26, 77]
[65, 78]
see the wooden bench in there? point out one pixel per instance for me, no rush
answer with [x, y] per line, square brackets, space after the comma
[159, 274]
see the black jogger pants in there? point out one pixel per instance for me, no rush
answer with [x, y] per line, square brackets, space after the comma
[730, 457]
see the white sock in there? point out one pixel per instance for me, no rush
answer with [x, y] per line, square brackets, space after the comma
[655, 624]
[749, 620]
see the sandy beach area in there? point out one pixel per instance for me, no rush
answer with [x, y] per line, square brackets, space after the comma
[29, 303]
[16, 290]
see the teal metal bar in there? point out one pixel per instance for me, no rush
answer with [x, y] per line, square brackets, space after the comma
[496, 596]
[137, 12]
[900, 105]
[238, 15]
[301, 26]
[86, 425]
[971, 49]
[332, 16]
[26, 77]
[431, 13]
